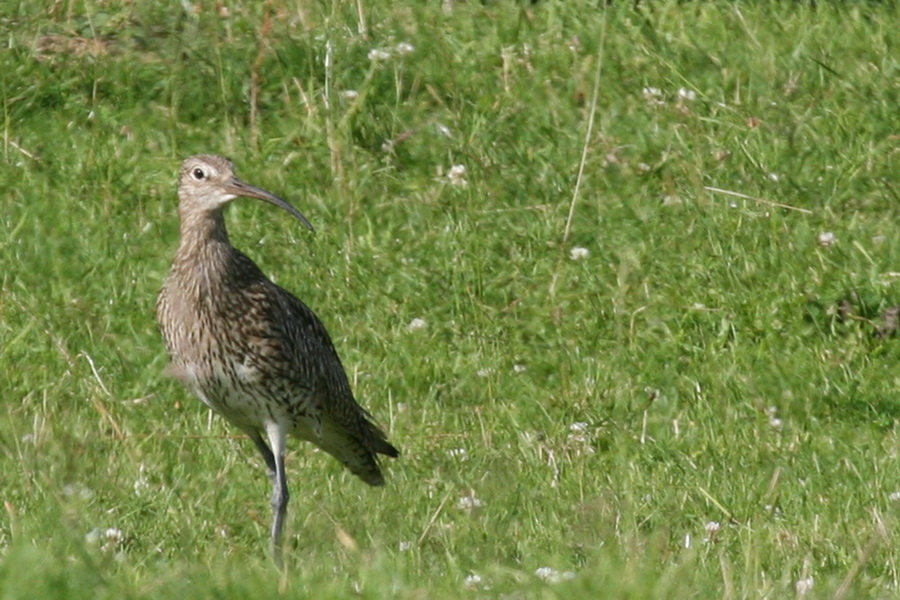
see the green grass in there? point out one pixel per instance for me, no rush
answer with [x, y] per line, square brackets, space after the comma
[700, 343]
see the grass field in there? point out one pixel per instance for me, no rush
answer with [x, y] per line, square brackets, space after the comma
[617, 282]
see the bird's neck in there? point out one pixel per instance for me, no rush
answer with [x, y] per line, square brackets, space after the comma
[203, 227]
[204, 241]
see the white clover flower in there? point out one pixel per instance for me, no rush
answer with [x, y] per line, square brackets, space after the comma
[827, 238]
[404, 48]
[416, 324]
[776, 423]
[78, 491]
[405, 545]
[579, 438]
[804, 586]
[653, 96]
[457, 175]
[376, 54]
[519, 368]
[686, 94]
[469, 502]
[110, 538]
[141, 485]
[472, 581]
[350, 94]
[577, 253]
[671, 200]
[551, 575]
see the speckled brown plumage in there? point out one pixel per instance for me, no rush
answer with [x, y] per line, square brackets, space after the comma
[252, 351]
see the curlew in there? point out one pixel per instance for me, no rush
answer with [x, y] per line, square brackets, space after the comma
[249, 349]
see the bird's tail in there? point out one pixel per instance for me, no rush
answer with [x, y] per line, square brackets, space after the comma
[358, 452]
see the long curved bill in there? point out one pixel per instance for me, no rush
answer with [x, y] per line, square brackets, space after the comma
[241, 188]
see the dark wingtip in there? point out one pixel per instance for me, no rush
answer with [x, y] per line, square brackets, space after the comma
[388, 450]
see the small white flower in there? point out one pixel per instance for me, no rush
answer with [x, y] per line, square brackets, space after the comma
[577, 253]
[141, 485]
[416, 324]
[405, 545]
[551, 575]
[579, 439]
[519, 368]
[827, 238]
[484, 372]
[472, 581]
[894, 496]
[110, 538]
[376, 54]
[114, 534]
[404, 48]
[653, 96]
[77, 490]
[469, 502]
[686, 94]
[776, 423]
[712, 527]
[457, 175]
[803, 586]
[671, 200]
[350, 94]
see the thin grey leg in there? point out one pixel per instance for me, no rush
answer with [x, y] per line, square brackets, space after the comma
[280, 494]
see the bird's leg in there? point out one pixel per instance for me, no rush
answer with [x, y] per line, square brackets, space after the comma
[266, 453]
[280, 495]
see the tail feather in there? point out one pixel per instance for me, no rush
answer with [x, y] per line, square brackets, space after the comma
[358, 455]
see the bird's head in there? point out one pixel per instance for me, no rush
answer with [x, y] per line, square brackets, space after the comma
[208, 183]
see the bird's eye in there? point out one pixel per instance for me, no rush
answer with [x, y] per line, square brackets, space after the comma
[198, 174]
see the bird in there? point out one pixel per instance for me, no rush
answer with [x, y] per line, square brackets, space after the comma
[249, 349]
